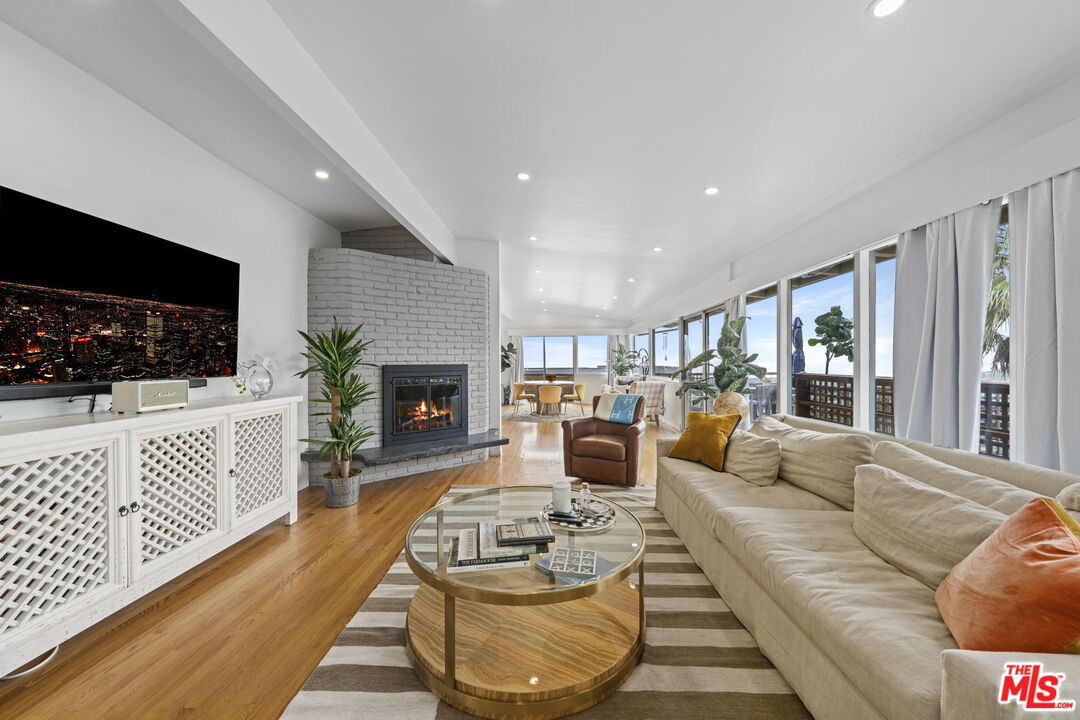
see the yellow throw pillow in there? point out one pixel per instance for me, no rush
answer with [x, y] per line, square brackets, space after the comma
[705, 438]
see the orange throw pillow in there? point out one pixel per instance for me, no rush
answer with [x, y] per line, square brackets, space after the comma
[1018, 590]
[705, 438]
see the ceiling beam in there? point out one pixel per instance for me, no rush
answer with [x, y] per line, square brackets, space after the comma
[256, 44]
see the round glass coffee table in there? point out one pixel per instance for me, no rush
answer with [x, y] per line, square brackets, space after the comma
[521, 642]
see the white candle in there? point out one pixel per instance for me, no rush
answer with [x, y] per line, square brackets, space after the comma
[560, 496]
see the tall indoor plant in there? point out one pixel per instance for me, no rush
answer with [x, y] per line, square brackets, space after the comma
[337, 356]
[732, 368]
[623, 361]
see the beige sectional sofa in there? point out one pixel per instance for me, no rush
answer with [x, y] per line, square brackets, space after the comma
[857, 638]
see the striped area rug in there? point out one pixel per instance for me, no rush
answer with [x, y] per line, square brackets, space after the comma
[699, 661]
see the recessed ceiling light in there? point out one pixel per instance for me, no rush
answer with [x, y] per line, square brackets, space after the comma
[543, 302]
[884, 8]
[658, 249]
[604, 308]
[536, 271]
[533, 238]
[712, 191]
[614, 297]
[545, 309]
[596, 316]
[523, 176]
[322, 175]
[540, 290]
[629, 279]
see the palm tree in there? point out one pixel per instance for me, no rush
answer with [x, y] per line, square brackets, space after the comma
[995, 343]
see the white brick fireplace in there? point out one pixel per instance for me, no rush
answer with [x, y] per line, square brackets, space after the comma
[414, 312]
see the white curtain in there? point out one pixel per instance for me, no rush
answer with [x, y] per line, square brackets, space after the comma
[735, 308]
[517, 362]
[939, 330]
[1044, 342]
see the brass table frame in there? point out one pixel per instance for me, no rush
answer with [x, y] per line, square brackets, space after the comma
[446, 688]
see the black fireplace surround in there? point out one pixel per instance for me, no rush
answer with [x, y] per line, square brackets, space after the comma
[424, 402]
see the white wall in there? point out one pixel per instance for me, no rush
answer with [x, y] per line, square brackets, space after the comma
[1035, 141]
[67, 138]
[486, 255]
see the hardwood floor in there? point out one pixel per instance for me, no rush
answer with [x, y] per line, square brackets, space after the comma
[237, 636]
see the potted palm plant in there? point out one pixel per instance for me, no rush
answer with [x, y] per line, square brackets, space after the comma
[732, 369]
[337, 356]
[624, 361]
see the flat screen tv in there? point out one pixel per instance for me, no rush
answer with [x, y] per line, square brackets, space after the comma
[85, 302]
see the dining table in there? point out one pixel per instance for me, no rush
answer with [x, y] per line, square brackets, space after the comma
[533, 387]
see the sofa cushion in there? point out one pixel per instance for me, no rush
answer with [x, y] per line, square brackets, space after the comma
[754, 458]
[916, 527]
[705, 438]
[602, 447]
[706, 492]
[1069, 497]
[995, 494]
[878, 626]
[823, 463]
[1017, 592]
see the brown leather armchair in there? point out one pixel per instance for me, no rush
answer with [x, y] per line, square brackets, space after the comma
[601, 451]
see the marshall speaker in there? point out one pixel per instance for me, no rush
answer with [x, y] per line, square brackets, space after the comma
[143, 396]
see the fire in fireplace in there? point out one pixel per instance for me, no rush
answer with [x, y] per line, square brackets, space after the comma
[424, 402]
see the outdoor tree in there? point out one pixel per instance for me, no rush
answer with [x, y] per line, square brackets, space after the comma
[835, 333]
[995, 342]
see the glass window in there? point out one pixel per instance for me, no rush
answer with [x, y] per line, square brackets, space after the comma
[559, 357]
[994, 407]
[823, 329]
[548, 356]
[592, 354]
[885, 289]
[693, 342]
[760, 329]
[714, 323]
[641, 344]
[760, 338]
[532, 355]
[666, 342]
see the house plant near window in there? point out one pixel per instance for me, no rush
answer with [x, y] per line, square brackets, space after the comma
[624, 361]
[336, 356]
[732, 369]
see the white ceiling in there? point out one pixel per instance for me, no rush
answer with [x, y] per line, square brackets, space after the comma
[138, 50]
[624, 110]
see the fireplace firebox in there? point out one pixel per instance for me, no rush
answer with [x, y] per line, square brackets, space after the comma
[424, 402]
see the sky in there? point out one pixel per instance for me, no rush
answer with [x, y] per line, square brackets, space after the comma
[813, 300]
[592, 352]
[886, 290]
[761, 332]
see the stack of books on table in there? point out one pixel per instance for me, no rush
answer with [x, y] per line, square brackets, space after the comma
[498, 544]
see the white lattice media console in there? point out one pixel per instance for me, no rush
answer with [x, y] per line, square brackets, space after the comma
[98, 510]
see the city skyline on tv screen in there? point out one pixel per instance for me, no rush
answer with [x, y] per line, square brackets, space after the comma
[86, 300]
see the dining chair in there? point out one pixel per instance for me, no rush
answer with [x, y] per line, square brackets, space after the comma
[578, 396]
[520, 394]
[550, 395]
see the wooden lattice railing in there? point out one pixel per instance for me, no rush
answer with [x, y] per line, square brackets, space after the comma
[831, 398]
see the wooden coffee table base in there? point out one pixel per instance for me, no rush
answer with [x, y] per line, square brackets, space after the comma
[528, 662]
